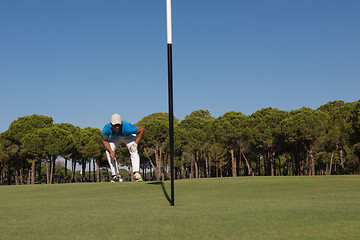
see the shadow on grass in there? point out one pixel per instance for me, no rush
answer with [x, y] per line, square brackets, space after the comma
[163, 188]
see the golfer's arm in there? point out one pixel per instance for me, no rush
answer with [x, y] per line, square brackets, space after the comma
[106, 143]
[139, 134]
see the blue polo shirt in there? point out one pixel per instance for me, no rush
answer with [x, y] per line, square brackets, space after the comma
[127, 129]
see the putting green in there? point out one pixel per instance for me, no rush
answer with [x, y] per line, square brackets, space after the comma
[219, 208]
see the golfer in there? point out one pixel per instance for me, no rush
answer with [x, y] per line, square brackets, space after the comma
[120, 131]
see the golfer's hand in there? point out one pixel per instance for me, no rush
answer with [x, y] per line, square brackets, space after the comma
[133, 147]
[112, 154]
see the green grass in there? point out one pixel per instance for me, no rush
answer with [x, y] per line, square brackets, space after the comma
[227, 208]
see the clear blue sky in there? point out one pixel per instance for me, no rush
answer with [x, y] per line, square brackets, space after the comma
[80, 61]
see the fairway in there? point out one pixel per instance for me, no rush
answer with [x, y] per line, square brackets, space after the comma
[324, 207]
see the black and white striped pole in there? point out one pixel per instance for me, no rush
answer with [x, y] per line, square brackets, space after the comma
[170, 90]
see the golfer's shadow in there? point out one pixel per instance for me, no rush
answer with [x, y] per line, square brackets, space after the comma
[163, 188]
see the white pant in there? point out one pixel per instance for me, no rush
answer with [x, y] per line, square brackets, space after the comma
[135, 158]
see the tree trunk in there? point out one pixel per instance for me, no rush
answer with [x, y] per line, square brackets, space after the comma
[163, 165]
[52, 169]
[192, 166]
[66, 160]
[217, 169]
[182, 168]
[47, 169]
[20, 177]
[221, 171]
[39, 172]
[301, 162]
[279, 168]
[196, 165]
[247, 165]
[33, 172]
[152, 164]
[158, 163]
[97, 171]
[331, 162]
[89, 170]
[9, 175]
[94, 173]
[16, 177]
[233, 163]
[1, 174]
[207, 166]
[83, 165]
[341, 158]
[266, 160]
[28, 178]
[73, 170]
[272, 164]
[312, 162]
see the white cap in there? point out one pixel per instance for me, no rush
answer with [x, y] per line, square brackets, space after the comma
[116, 119]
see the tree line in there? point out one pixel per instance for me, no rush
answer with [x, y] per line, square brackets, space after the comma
[269, 142]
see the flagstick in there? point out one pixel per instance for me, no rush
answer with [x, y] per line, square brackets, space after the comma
[170, 90]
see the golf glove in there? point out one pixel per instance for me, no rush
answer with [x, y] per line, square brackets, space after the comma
[133, 147]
